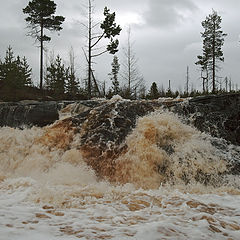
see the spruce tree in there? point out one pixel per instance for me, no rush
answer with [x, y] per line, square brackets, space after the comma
[72, 83]
[153, 93]
[213, 40]
[114, 75]
[15, 73]
[8, 70]
[26, 72]
[56, 77]
[41, 16]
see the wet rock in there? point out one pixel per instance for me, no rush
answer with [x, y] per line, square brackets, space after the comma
[103, 131]
[102, 126]
[230, 152]
[28, 113]
[218, 115]
[77, 107]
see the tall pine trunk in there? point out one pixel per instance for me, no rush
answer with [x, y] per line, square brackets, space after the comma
[214, 59]
[129, 64]
[89, 48]
[41, 56]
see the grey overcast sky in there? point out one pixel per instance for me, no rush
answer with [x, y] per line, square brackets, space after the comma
[166, 36]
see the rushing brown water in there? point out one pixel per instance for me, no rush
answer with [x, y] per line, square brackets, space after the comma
[167, 184]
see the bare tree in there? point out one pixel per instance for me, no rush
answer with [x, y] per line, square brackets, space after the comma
[130, 73]
[187, 81]
[96, 33]
[72, 84]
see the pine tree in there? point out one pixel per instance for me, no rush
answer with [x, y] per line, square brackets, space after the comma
[114, 75]
[41, 16]
[213, 40]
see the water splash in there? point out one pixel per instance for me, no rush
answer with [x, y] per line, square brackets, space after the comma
[164, 185]
[162, 149]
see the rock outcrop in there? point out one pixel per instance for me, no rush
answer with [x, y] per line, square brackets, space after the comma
[28, 114]
[218, 115]
[102, 131]
[99, 128]
[105, 129]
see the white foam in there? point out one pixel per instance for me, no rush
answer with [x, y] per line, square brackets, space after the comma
[48, 192]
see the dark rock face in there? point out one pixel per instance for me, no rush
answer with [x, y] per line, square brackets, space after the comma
[112, 122]
[29, 114]
[217, 115]
[231, 154]
[102, 126]
[104, 129]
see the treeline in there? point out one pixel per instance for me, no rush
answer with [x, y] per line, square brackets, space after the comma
[15, 75]
[156, 92]
[15, 72]
[61, 81]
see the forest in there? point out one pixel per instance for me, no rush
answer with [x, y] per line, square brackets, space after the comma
[58, 81]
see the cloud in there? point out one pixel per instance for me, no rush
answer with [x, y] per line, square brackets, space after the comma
[168, 13]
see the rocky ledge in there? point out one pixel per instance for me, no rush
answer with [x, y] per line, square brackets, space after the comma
[218, 115]
[27, 114]
[101, 127]
[100, 131]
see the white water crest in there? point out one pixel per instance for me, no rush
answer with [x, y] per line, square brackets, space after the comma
[168, 184]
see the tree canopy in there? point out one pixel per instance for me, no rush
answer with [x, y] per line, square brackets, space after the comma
[41, 16]
[213, 40]
[15, 71]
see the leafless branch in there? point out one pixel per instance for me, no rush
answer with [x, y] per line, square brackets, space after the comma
[97, 41]
[96, 55]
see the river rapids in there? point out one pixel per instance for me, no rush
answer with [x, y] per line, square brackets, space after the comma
[170, 182]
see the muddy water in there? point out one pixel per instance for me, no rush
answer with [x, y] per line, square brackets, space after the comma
[168, 184]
